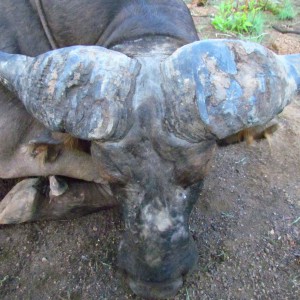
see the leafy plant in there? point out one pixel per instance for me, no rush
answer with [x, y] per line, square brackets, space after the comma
[268, 6]
[238, 17]
[247, 16]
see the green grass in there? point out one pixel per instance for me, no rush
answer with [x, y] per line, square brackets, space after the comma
[3, 280]
[296, 221]
[247, 17]
[287, 12]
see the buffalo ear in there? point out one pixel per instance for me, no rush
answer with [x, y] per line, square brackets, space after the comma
[226, 86]
[83, 90]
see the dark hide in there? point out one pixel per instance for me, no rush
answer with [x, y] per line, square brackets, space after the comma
[90, 22]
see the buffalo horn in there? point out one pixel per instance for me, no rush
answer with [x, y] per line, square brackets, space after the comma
[83, 90]
[226, 86]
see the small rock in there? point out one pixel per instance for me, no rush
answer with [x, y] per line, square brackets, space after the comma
[84, 257]
[44, 259]
[95, 228]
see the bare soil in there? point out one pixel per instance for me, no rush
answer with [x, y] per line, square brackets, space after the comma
[244, 224]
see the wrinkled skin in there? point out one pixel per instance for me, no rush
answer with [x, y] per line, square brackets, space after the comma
[155, 177]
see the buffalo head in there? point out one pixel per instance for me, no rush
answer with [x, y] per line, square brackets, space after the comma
[153, 120]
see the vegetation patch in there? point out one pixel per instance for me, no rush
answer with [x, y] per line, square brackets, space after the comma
[247, 17]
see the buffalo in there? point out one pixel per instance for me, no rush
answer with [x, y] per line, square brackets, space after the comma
[118, 103]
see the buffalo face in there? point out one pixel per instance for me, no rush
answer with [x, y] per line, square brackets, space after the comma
[156, 203]
[157, 199]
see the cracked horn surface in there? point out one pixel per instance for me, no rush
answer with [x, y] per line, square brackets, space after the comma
[84, 90]
[226, 85]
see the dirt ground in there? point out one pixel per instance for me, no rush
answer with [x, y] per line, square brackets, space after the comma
[244, 224]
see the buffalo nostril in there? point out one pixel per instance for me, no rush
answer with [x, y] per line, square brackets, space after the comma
[156, 290]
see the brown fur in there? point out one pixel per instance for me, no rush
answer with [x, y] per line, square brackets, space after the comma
[47, 152]
[249, 135]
